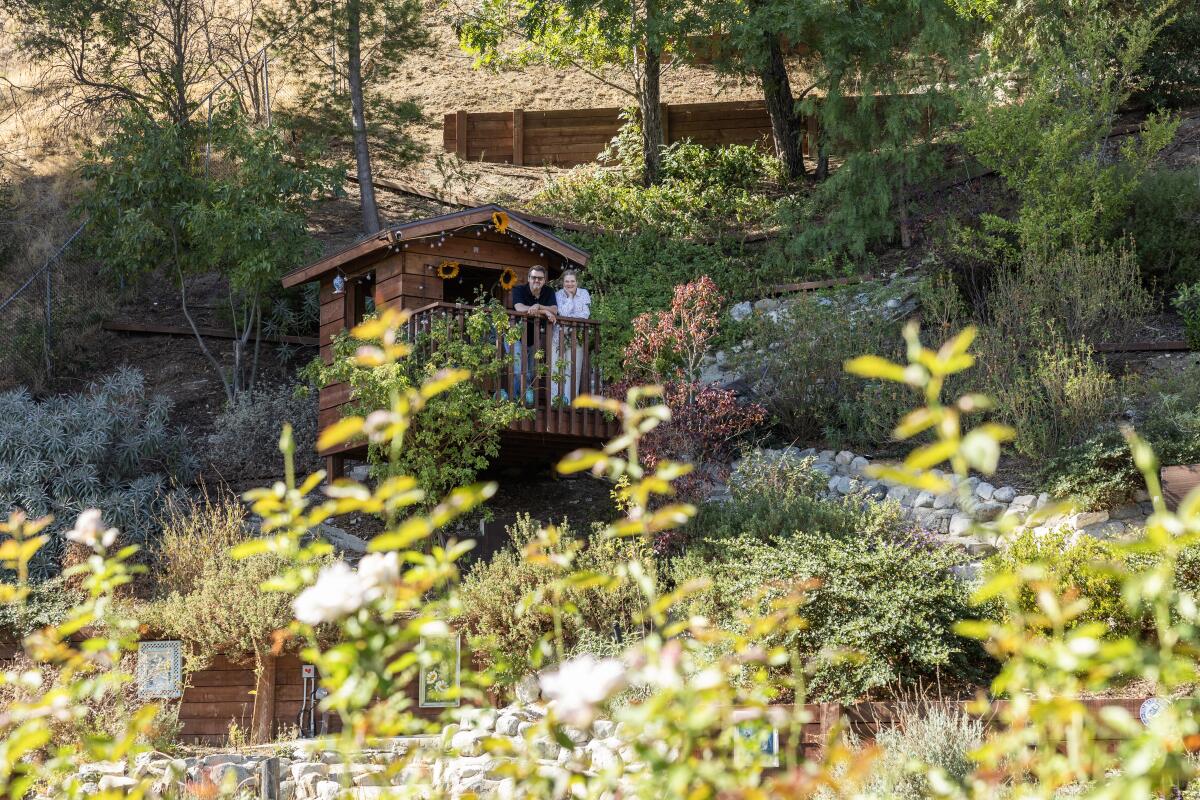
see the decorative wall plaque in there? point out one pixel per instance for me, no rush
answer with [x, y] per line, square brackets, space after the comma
[439, 681]
[160, 669]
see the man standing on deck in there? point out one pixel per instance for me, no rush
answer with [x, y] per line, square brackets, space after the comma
[535, 299]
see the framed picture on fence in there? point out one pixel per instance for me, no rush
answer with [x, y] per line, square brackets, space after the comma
[160, 669]
[439, 681]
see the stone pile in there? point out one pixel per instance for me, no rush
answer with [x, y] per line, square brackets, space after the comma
[948, 517]
[464, 761]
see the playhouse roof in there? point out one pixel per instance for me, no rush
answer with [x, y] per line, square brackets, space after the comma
[383, 240]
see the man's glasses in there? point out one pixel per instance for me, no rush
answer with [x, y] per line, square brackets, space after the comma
[533, 279]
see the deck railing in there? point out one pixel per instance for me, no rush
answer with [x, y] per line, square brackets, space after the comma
[561, 357]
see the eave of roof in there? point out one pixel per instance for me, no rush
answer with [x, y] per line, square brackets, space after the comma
[424, 227]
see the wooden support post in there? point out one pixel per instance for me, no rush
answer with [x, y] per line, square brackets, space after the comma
[460, 134]
[664, 112]
[262, 719]
[831, 713]
[268, 779]
[335, 467]
[810, 135]
[518, 137]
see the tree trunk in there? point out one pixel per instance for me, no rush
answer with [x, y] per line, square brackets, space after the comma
[262, 717]
[651, 113]
[362, 154]
[781, 107]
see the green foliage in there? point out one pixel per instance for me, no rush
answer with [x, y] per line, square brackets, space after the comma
[703, 192]
[1076, 565]
[154, 203]
[244, 443]
[316, 39]
[514, 639]
[629, 275]
[110, 447]
[1058, 400]
[1050, 143]
[880, 607]
[48, 604]
[795, 364]
[459, 431]
[932, 735]
[1100, 473]
[1187, 303]
[1162, 224]
[1172, 67]
[203, 595]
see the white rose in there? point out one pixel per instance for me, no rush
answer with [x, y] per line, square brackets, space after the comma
[377, 571]
[579, 684]
[89, 530]
[339, 591]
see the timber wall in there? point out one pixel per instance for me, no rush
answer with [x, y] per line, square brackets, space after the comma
[569, 137]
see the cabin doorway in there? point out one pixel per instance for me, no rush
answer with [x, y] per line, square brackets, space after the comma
[472, 286]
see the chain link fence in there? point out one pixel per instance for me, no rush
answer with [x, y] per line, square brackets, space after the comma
[47, 318]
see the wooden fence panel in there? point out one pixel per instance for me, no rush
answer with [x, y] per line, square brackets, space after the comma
[568, 137]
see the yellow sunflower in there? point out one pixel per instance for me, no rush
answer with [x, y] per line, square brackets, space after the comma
[447, 270]
[500, 220]
[508, 279]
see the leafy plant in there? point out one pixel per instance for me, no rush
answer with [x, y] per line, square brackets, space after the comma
[243, 443]
[1162, 225]
[514, 638]
[110, 447]
[459, 433]
[1187, 303]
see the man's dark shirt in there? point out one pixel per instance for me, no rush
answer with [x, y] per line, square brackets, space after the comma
[523, 294]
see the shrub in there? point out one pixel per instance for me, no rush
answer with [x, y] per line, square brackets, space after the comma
[879, 608]
[1187, 303]
[1163, 225]
[931, 735]
[110, 447]
[1057, 401]
[702, 193]
[48, 604]
[1076, 566]
[244, 443]
[794, 366]
[458, 432]
[512, 641]
[673, 342]
[206, 597]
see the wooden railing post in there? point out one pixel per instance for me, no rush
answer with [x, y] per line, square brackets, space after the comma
[518, 136]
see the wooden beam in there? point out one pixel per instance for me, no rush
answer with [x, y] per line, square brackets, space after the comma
[1176, 345]
[460, 141]
[518, 123]
[664, 113]
[212, 333]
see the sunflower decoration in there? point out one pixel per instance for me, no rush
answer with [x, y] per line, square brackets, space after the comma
[500, 220]
[447, 270]
[508, 279]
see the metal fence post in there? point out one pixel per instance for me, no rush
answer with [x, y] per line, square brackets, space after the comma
[48, 333]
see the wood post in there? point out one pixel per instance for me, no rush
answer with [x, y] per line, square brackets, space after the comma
[664, 114]
[810, 135]
[831, 714]
[268, 779]
[335, 467]
[518, 137]
[460, 134]
[263, 718]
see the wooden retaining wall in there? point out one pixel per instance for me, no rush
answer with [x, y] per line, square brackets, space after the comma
[568, 137]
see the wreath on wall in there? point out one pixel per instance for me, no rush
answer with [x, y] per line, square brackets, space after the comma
[447, 270]
[508, 278]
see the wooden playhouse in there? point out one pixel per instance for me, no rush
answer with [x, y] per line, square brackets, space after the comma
[438, 269]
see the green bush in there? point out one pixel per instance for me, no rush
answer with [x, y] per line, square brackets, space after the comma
[48, 603]
[885, 604]
[109, 447]
[794, 364]
[703, 192]
[1163, 225]
[512, 641]
[931, 735]
[244, 443]
[1187, 303]
[1075, 564]
[880, 608]
[1058, 400]
[1172, 67]
[206, 597]
[458, 432]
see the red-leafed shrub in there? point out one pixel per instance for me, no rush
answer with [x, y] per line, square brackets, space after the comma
[670, 344]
